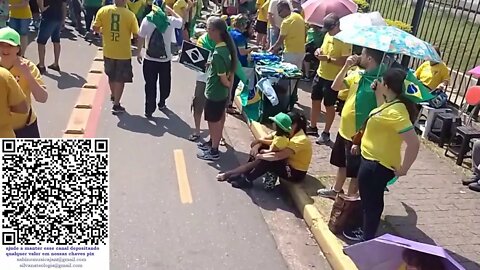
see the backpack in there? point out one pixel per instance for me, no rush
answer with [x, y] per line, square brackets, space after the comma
[156, 46]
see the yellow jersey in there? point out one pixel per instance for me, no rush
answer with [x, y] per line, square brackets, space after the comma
[347, 121]
[292, 29]
[333, 48]
[382, 141]
[279, 143]
[117, 24]
[10, 95]
[302, 151]
[432, 75]
[22, 12]
[20, 120]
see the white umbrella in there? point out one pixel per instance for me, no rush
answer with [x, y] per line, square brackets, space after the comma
[356, 20]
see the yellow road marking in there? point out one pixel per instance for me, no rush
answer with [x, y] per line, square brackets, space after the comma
[183, 185]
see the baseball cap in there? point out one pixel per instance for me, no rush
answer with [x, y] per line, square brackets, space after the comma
[283, 121]
[330, 21]
[9, 36]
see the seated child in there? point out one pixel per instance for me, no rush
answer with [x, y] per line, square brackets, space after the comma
[274, 142]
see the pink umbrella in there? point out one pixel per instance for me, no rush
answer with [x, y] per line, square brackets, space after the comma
[316, 10]
[475, 72]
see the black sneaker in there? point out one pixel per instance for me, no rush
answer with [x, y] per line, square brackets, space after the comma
[204, 146]
[312, 131]
[210, 154]
[470, 180]
[354, 235]
[242, 183]
[324, 138]
[162, 106]
[116, 109]
[148, 115]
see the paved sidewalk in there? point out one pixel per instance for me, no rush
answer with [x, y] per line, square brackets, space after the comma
[429, 204]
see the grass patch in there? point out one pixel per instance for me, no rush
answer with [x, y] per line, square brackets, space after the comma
[457, 37]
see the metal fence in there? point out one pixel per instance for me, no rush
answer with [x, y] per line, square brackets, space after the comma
[453, 25]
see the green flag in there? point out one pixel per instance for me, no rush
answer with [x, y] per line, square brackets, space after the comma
[414, 89]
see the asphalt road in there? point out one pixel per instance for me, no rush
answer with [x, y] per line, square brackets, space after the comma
[222, 228]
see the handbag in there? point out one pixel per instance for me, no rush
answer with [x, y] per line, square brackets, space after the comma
[357, 138]
[346, 214]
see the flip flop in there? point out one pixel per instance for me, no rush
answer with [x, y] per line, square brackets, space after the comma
[193, 137]
[54, 67]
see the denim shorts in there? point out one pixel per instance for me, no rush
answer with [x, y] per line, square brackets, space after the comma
[22, 26]
[49, 28]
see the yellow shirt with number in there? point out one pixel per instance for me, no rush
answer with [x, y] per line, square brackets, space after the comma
[347, 128]
[10, 95]
[382, 141]
[279, 143]
[302, 151]
[432, 75]
[333, 48]
[19, 120]
[292, 29]
[117, 24]
[20, 13]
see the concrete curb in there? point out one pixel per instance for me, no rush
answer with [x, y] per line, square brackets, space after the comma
[81, 112]
[328, 242]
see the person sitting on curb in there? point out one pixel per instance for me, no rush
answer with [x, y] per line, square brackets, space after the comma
[275, 142]
[291, 163]
[474, 182]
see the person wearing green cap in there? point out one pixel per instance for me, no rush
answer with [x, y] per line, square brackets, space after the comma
[28, 78]
[12, 100]
[282, 124]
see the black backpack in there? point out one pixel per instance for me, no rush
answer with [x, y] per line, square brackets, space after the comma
[156, 46]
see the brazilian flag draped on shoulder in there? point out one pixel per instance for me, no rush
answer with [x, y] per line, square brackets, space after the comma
[414, 89]
[158, 17]
[365, 99]
[206, 42]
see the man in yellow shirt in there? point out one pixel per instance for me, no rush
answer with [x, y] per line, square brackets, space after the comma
[292, 39]
[117, 25]
[12, 100]
[359, 102]
[332, 56]
[433, 75]
[20, 18]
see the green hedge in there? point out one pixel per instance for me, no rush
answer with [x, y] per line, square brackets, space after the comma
[363, 6]
[400, 25]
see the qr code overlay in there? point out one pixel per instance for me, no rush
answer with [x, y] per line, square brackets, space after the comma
[54, 191]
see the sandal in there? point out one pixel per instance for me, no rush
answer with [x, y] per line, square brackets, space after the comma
[193, 137]
[232, 111]
[54, 67]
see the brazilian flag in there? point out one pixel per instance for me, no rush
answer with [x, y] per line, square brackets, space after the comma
[414, 89]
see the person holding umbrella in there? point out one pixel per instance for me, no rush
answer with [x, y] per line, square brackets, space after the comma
[386, 128]
[332, 56]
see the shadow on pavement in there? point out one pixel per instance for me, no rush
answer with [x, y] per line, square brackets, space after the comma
[408, 229]
[156, 126]
[278, 198]
[66, 80]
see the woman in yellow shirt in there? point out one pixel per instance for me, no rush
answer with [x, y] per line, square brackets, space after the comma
[20, 18]
[261, 24]
[387, 127]
[28, 78]
[291, 163]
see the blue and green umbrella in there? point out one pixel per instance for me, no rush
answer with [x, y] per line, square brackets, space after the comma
[389, 39]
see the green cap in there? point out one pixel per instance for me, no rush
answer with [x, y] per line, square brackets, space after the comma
[9, 36]
[283, 121]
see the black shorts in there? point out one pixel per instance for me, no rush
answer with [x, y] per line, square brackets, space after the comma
[118, 70]
[322, 89]
[30, 131]
[310, 53]
[342, 157]
[214, 110]
[261, 27]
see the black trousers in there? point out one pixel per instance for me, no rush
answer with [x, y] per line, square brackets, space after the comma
[154, 72]
[280, 168]
[372, 181]
[90, 13]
